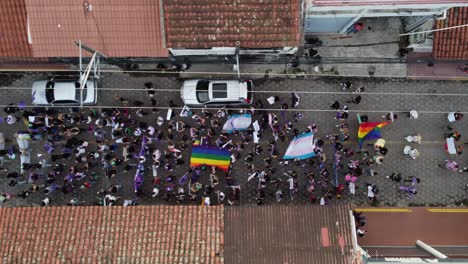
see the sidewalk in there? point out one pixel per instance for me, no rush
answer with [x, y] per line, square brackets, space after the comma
[439, 71]
[258, 71]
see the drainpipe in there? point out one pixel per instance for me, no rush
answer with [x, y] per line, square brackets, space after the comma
[431, 250]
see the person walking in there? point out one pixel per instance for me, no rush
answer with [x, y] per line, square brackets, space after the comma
[335, 105]
[346, 85]
[413, 114]
[450, 165]
[371, 190]
[355, 100]
[295, 100]
[396, 177]
[454, 116]
[150, 89]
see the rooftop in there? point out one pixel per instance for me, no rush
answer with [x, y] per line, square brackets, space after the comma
[452, 43]
[288, 234]
[219, 23]
[140, 234]
[13, 29]
[117, 28]
[390, 237]
[385, 229]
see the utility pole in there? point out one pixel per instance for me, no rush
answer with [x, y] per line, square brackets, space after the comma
[237, 58]
[81, 58]
[94, 63]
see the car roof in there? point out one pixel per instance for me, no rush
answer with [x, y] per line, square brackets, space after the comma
[65, 90]
[218, 91]
[227, 90]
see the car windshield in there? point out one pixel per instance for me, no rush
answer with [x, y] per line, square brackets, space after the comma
[78, 91]
[49, 91]
[202, 91]
[219, 90]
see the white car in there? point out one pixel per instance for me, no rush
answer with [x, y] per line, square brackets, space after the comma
[217, 92]
[63, 92]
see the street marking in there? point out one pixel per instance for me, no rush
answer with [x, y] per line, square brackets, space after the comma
[384, 210]
[447, 210]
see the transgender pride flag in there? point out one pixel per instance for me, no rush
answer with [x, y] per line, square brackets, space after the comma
[301, 147]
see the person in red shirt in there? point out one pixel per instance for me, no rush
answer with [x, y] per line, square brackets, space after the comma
[355, 28]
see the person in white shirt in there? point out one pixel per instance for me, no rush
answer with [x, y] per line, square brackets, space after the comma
[11, 119]
[361, 233]
[370, 193]
[352, 188]
[323, 201]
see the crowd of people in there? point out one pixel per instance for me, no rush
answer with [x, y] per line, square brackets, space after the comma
[157, 152]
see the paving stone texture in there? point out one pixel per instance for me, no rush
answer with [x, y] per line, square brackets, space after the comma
[433, 99]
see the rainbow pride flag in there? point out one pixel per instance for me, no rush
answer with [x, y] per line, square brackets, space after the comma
[369, 130]
[210, 156]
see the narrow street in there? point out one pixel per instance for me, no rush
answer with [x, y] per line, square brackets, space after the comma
[432, 99]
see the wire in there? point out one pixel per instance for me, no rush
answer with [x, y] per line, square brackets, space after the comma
[271, 91]
[237, 109]
[434, 30]
[7, 71]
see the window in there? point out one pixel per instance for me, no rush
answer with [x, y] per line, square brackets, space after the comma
[50, 85]
[249, 91]
[219, 90]
[202, 91]
[49, 91]
[202, 85]
[78, 91]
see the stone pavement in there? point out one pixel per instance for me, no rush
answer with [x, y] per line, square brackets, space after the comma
[437, 187]
[378, 39]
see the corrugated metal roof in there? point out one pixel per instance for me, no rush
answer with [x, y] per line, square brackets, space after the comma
[140, 234]
[288, 234]
[117, 28]
[13, 29]
[219, 23]
[453, 43]
[385, 228]
[382, 2]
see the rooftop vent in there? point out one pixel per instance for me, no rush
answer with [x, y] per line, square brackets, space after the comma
[88, 7]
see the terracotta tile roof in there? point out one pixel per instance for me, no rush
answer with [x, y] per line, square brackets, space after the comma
[220, 23]
[140, 234]
[118, 28]
[453, 43]
[288, 234]
[13, 29]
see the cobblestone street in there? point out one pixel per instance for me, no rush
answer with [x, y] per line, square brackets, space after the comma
[432, 99]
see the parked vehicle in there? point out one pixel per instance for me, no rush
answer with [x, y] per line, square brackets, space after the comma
[215, 93]
[59, 91]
